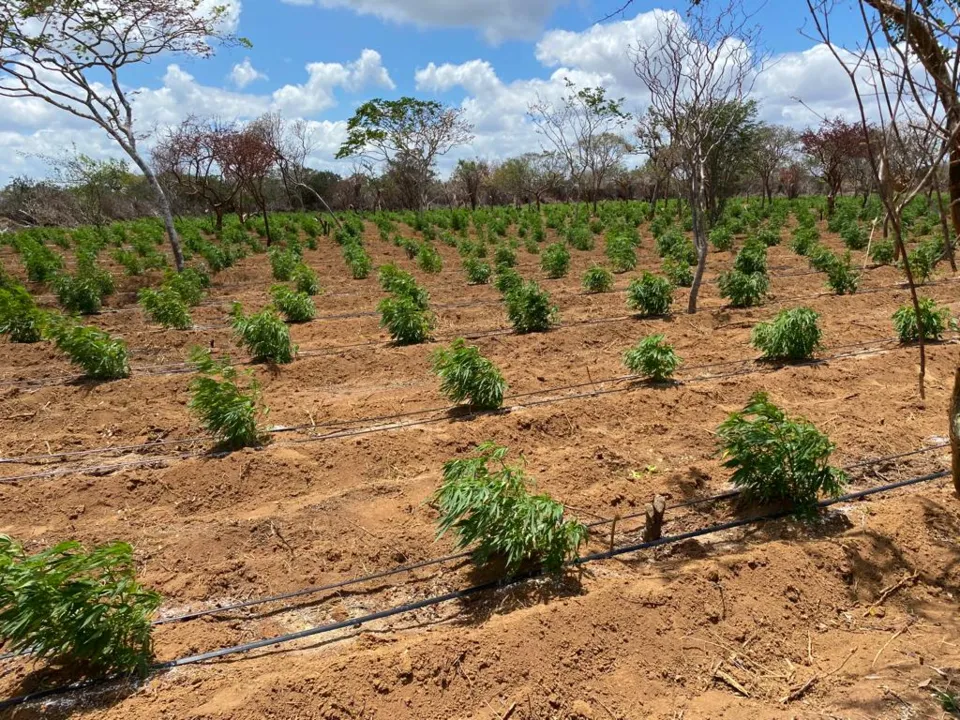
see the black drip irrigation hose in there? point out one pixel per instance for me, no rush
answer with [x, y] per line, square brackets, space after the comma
[463, 594]
[347, 432]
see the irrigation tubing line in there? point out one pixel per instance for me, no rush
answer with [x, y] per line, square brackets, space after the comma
[465, 593]
[356, 432]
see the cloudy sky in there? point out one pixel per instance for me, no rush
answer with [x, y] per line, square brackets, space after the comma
[319, 59]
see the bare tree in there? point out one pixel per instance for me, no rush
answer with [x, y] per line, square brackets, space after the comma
[693, 69]
[198, 155]
[584, 129]
[253, 159]
[774, 146]
[71, 54]
[471, 175]
[906, 128]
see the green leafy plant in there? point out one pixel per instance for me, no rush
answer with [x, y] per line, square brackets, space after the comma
[305, 280]
[678, 273]
[504, 256]
[42, 263]
[401, 283]
[166, 307]
[650, 295]
[465, 374]
[597, 279]
[933, 321]
[101, 356]
[507, 281]
[555, 260]
[882, 252]
[776, 458]
[923, 261]
[580, 237]
[407, 321]
[674, 244]
[529, 308]
[792, 335]
[721, 238]
[297, 307]
[77, 608]
[283, 262]
[264, 334]
[743, 289]
[854, 235]
[621, 253]
[226, 410]
[752, 259]
[652, 358]
[20, 318]
[429, 259]
[492, 509]
[358, 260]
[478, 272]
[841, 276]
[80, 293]
[188, 284]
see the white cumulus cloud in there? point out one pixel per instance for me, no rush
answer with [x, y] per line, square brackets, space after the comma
[245, 73]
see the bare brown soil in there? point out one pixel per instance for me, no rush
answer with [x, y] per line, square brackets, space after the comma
[772, 621]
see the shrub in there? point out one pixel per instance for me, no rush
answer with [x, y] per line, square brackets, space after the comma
[466, 375]
[923, 261]
[305, 280]
[101, 356]
[767, 236]
[20, 318]
[653, 358]
[81, 293]
[507, 281]
[933, 321]
[493, 509]
[401, 283]
[597, 279]
[41, 263]
[297, 307]
[504, 256]
[264, 335]
[555, 261]
[854, 235]
[882, 252]
[620, 251]
[841, 277]
[358, 261]
[529, 308]
[721, 238]
[407, 321]
[282, 263]
[776, 458]
[429, 259]
[752, 259]
[188, 284]
[227, 411]
[580, 237]
[478, 272]
[677, 273]
[79, 609]
[166, 307]
[791, 335]
[804, 240]
[650, 295]
[743, 289]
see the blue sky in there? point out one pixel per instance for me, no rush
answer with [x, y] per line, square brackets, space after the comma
[319, 59]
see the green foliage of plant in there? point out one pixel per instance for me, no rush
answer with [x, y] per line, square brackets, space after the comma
[165, 306]
[492, 509]
[188, 284]
[933, 321]
[678, 273]
[20, 318]
[282, 262]
[101, 356]
[721, 238]
[357, 260]
[842, 278]
[776, 458]
[805, 238]
[80, 293]
[264, 334]
[465, 374]
[652, 358]
[743, 289]
[580, 237]
[675, 244]
[429, 259]
[401, 283]
[923, 260]
[408, 322]
[752, 259]
[854, 235]
[597, 279]
[226, 410]
[766, 235]
[821, 258]
[882, 252]
[621, 253]
[297, 307]
[792, 335]
[555, 260]
[42, 263]
[507, 281]
[529, 308]
[478, 272]
[305, 280]
[650, 295]
[504, 256]
[77, 608]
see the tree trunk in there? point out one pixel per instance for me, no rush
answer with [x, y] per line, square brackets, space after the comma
[948, 239]
[266, 224]
[831, 203]
[218, 226]
[955, 431]
[166, 213]
[953, 182]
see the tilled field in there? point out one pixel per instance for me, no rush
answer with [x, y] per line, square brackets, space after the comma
[852, 617]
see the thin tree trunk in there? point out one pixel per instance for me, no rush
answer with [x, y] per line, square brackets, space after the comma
[266, 224]
[955, 431]
[166, 213]
[948, 240]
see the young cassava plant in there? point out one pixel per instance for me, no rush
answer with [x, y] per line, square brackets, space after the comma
[227, 411]
[264, 334]
[650, 295]
[933, 321]
[792, 335]
[652, 358]
[529, 308]
[101, 356]
[297, 307]
[466, 375]
[597, 279]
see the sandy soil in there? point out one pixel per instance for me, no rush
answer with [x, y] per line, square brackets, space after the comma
[771, 621]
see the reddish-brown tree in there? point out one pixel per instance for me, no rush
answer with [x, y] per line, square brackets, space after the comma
[833, 148]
